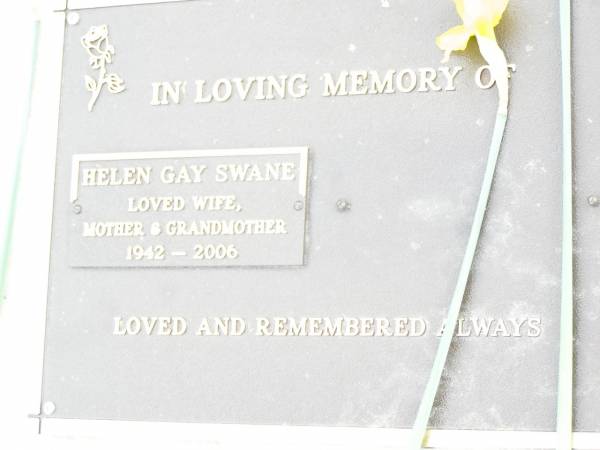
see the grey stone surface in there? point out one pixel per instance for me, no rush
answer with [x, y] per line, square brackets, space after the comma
[411, 166]
[587, 246]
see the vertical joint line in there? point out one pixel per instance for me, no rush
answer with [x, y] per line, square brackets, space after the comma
[564, 409]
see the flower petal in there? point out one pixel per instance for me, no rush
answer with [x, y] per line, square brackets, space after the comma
[485, 28]
[460, 8]
[455, 38]
[487, 10]
[496, 9]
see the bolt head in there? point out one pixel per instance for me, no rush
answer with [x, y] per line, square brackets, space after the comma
[342, 205]
[73, 18]
[48, 408]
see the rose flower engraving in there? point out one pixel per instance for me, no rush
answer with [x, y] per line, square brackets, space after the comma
[101, 53]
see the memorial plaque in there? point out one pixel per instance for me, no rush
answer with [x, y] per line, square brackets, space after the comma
[262, 207]
[241, 207]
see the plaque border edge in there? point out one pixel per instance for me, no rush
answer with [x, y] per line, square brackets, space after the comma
[218, 436]
[91, 4]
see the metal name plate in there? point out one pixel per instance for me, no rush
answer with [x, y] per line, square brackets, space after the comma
[240, 207]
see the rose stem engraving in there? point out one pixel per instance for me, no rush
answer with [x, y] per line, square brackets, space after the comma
[101, 53]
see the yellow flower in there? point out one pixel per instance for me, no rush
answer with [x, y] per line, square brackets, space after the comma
[480, 17]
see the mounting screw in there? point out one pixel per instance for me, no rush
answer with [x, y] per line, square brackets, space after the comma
[73, 18]
[593, 200]
[342, 205]
[77, 208]
[299, 205]
[48, 408]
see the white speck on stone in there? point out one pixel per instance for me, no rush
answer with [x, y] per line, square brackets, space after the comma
[379, 217]
[351, 48]
[535, 166]
[416, 19]
[385, 3]
[529, 48]
[480, 122]
[415, 246]
[590, 120]
[431, 209]
[503, 227]
[426, 141]
[252, 16]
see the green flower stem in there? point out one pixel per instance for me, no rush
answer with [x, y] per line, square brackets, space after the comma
[564, 407]
[7, 244]
[419, 430]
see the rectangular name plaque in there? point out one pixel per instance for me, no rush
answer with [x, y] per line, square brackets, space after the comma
[240, 207]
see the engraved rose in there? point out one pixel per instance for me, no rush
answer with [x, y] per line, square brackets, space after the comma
[96, 43]
[101, 53]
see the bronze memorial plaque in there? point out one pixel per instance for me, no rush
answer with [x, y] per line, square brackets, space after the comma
[313, 213]
[243, 207]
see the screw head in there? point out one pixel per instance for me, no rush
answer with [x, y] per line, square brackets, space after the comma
[342, 205]
[73, 18]
[48, 408]
[593, 200]
[299, 205]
